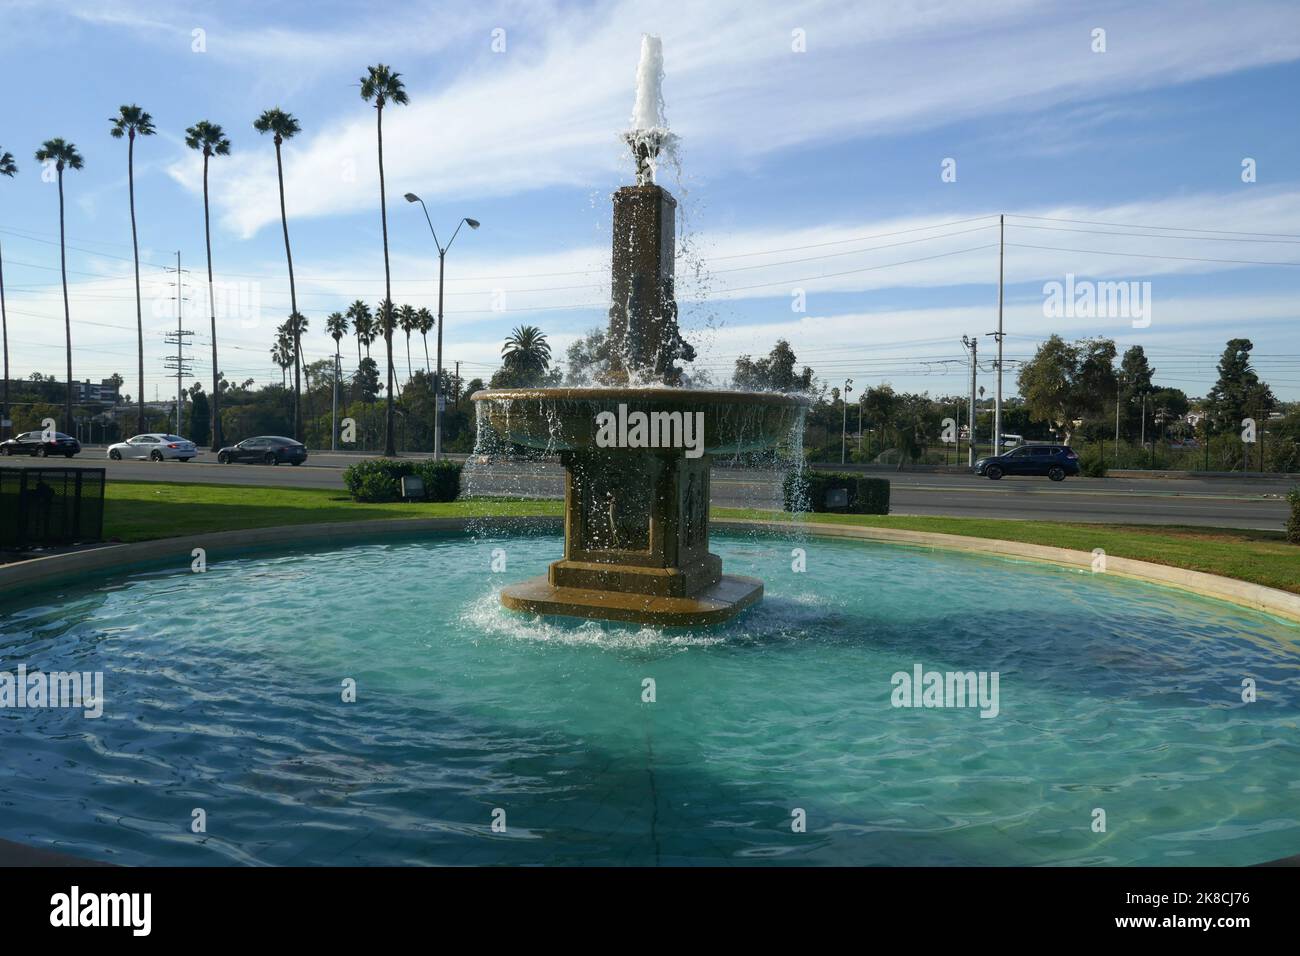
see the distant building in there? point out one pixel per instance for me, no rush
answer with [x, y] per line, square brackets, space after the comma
[105, 393]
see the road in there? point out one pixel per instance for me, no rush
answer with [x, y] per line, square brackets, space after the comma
[1206, 502]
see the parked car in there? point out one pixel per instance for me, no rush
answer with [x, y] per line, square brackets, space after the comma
[267, 449]
[156, 446]
[1054, 461]
[34, 443]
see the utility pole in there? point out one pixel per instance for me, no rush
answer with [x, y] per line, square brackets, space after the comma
[178, 338]
[997, 407]
[334, 407]
[1117, 427]
[844, 425]
[972, 343]
[456, 394]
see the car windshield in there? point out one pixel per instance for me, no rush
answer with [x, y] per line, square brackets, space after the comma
[174, 438]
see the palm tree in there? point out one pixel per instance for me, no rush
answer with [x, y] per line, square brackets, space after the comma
[424, 325]
[284, 126]
[362, 326]
[64, 155]
[7, 168]
[526, 349]
[382, 85]
[282, 352]
[336, 324]
[406, 318]
[211, 140]
[131, 121]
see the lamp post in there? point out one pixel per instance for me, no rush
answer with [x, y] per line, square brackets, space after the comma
[844, 425]
[442, 260]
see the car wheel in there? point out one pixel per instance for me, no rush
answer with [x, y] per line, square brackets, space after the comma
[4, 450]
[155, 456]
[42, 451]
[295, 463]
[270, 459]
[182, 459]
[115, 454]
[223, 459]
[1056, 473]
[993, 472]
[68, 454]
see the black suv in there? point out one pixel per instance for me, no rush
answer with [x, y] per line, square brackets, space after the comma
[1054, 461]
[34, 443]
[268, 449]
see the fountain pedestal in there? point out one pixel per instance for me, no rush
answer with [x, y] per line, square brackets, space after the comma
[636, 544]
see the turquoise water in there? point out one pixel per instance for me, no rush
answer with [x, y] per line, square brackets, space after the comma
[223, 692]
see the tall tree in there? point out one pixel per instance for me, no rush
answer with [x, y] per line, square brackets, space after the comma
[362, 326]
[7, 168]
[1134, 386]
[526, 349]
[131, 121]
[1238, 393]
[282, 351]
[336, 324]
[407, 320]
[776, 373]
[1066, 382]
[284, 126]
[424, 323]
[210, 140]
[63, 155]
[383, 86]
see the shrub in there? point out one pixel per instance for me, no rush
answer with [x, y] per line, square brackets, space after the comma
[1092, 465]
[380, 479]
[807, 491]
[1293, 522]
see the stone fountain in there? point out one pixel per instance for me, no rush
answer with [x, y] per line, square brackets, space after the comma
[637, 450]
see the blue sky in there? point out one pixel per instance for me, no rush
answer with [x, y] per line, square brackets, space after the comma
[814, 170]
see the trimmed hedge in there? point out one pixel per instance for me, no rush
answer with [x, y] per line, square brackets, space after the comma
[806, 491]
[380, 479]
[1293, 522]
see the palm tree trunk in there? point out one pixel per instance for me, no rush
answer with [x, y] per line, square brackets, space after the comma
[135, 251]
[67, 315]
[408, 356]
[293, 304]
[4, 330]
[425, 336]
[212, 309]
[390, 445]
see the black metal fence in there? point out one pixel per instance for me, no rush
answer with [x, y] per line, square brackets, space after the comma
[40, 507]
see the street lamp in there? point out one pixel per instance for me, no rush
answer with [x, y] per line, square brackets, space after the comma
[442, 257]
[844, 424]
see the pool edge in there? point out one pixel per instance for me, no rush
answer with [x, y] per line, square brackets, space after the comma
[53, 568]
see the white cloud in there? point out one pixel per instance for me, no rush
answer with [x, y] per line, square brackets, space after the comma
[547, 112]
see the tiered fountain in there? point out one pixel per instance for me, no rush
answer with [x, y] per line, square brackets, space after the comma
[637, 450]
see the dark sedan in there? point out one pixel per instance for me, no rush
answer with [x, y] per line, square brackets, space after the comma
[41, 445]
[266, 449]
[1052, 461]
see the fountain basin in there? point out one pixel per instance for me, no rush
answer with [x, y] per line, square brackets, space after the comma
[1114, 693]
[564, 419]
[636, 499]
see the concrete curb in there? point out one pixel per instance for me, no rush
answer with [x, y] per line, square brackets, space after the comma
[124, 557]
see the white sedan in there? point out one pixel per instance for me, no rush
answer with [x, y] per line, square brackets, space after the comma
[156, 446]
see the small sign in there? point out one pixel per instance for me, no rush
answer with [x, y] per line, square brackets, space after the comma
[442, 403]
[837, 498]
[412, 487]
[5, 423]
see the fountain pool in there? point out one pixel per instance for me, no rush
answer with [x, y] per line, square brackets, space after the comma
[223, 692]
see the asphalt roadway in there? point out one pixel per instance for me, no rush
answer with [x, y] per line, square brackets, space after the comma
[1243, 502]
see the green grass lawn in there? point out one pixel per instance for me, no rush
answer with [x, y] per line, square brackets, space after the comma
[138, 511]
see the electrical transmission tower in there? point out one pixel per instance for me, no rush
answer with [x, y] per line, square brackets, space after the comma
[178, 363]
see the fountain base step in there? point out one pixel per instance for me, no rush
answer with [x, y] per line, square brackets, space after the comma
[718, 602]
